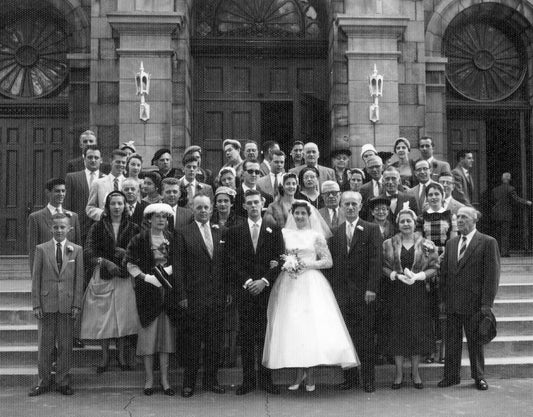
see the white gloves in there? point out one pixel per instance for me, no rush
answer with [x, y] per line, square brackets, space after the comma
[151, 279]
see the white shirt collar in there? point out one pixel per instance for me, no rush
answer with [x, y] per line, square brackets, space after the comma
[62, 244]
[430, 160]
[354, 223]
[53, 209]
[246, 188]
[88, 173]
[251, 223]
[469, 237]
[465, 171]
[200, 225]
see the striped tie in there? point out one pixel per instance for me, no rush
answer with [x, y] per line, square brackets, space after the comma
[463, 248]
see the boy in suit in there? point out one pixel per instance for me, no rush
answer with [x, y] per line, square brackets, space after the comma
[57, 288]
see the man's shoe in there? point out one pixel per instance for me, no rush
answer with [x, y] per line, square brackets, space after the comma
[38, 390]
[369, 387]
[482, 385]
[348, 384]
[65, 390]
[245, 389]
[77, 343]
[217, 389]
[187, 392]
[448, 382]
[270, 388]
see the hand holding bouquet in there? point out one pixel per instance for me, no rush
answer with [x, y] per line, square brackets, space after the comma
[292, 263]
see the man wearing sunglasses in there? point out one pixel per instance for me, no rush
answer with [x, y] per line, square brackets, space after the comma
[251, 172]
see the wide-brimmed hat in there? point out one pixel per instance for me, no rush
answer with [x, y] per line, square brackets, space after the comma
[376, 201]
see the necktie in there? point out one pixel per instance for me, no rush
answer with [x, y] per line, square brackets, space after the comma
[91, 179]
[190, 192]
[393, 202]
[276, 184]
[422, 196]
[334, 218]
[462, 249]
[132, 209]
[115, 184]
[349, 234]
[59, 256]
[208, 239]
[255, 235]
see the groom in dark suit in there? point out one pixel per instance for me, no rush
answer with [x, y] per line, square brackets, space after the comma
[470, 274]
[356, 252]
[250, 248]
[199, 265]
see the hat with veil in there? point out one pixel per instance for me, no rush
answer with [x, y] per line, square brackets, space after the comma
[316, 222]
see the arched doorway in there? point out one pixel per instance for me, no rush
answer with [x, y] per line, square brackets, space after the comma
[38, 102]
[260, 73]
[487, 108]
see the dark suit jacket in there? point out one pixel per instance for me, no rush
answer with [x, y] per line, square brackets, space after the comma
[324, 211]
[137, 216]
[355, 272]
[39, 230]
[245, 264]
[472, 282]
[78, 164]
[239, 201]
[367, 192]
[437, 167]
[503, 197]
[324, 173]
[184, 217]
[57, 291]
[77, 197]
[202, 276]
[415, 192]
[461, 190]
[402, 199]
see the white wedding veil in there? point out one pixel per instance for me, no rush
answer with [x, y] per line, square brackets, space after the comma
[316, 222]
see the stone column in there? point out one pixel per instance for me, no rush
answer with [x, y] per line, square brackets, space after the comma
[145, 30]
[372, 39]
[436, 105]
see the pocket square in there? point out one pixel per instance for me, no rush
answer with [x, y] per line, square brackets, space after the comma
[72, 260]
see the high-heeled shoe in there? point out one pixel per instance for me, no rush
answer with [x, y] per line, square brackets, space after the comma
[397, 385]
[417, 385]
[299, 381]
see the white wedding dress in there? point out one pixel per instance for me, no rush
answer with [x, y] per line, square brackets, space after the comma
[305, 326]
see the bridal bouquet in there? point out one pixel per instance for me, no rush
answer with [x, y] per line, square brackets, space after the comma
[293, 264]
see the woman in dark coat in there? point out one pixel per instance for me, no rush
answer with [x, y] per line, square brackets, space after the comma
[408, 261]
[156, 301]
[109, 310]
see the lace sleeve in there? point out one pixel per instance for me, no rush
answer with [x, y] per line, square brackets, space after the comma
[323, 255]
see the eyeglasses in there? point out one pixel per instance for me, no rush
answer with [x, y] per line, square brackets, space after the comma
[382, 208]
[422, 169]
[309, 177]
[331, 193]
[253, 171]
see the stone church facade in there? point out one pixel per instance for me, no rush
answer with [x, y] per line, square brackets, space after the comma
[459, 71]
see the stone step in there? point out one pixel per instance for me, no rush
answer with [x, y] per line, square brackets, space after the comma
[521, 367]
[17, 315]
[514, 290]
[519, 325]
[513, 307]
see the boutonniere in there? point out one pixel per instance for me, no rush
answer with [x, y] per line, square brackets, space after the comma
[361, 228]
[428, 247]
[222, 242]
[70, 249]
[215, 226]
[269, 230]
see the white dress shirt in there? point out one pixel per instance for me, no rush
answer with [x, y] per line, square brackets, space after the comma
[468, 240]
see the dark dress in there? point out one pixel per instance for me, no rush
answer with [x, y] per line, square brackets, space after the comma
[407, 327]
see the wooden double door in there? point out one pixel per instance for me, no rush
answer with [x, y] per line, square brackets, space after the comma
[32, 150]
[259, 99]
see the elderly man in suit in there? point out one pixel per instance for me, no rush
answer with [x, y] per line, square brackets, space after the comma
[270, 182]
[189, 185]
[198, 260]
[251, 246]
[470, 274]
[101, 187]
[311, 156]
[448, 184]
[56, 292]
[464, 190]
[162, 159]
[398, 200]
[423, 176]
[134, 207]
[356, 252]
[251, 173]
[374, 187]
[331, 213]
[502, 198]
[170, 191]
[426, 147]
[78, 184]
[40, 222]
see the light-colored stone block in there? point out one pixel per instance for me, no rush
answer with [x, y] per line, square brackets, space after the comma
[104, 70]
[414, 31]
[104, 114]
[160, 90]
[100, 28]
[412, 115]
[158, 68]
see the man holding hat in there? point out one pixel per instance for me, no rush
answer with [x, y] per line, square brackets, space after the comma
[340, 159]
[202, 174]
[374, 187]
[331, 212]
[163, 161]
[232, 152]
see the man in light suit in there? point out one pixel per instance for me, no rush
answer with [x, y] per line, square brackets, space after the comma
[101, 187]
[270, 182]
[40, 222]
[331, 213]
[199, 264]
[87, 138]
[311, 155]
[470, 274]
[189, 185]
[57, 289]
[357, 261]
[464, 191]
[250, 248]
[423, 175]
[448, 183]
[426, 147]
[170, 192]
[78, 184]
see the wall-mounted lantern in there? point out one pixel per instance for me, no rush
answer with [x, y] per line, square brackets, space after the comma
[142, 86]
[375, 85]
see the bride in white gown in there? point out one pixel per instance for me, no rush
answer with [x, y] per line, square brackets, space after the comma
[305, 326]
